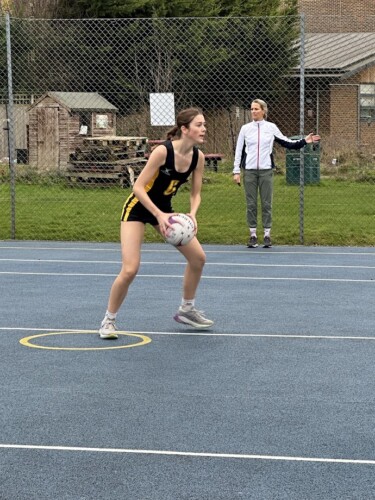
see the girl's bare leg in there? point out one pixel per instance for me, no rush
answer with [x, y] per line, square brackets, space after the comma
[131, 240]
[187, 313]
[196, 259]
[132, 234]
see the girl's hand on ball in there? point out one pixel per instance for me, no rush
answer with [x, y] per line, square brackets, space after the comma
[164, 224]
[195, 222]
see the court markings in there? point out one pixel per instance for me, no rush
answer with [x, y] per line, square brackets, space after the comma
[55, 331]
[190, 454]
[231, 250]
[183, 263]
[27, 341]
[204, 277]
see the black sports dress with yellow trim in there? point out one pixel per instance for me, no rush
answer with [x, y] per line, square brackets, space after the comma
[160, 189]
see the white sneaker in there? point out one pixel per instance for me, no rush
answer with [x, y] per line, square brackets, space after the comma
[192, 317]
[108, 329]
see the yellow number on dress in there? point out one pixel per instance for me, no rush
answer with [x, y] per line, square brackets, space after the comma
[172, 188]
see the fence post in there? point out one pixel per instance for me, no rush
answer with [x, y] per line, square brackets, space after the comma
[11, 142]
[302, 131]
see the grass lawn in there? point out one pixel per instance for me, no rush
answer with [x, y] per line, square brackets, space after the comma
[336, 212]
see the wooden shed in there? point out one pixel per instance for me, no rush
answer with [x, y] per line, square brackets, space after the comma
[60, 121]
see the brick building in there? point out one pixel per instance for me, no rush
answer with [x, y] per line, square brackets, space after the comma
[340, 69]
[336, 16]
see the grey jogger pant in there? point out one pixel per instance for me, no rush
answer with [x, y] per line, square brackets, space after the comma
[262, 180]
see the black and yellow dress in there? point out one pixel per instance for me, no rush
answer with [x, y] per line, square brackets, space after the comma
[160, 189]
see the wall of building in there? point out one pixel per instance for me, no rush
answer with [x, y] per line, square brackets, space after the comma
[344, 120]
[345, 125]
[21, 117]
[335, 16]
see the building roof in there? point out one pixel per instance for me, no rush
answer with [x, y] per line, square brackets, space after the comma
[81, 100]
[338, 54]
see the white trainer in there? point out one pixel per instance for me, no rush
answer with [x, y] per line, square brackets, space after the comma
[108, 329]
[192, 317]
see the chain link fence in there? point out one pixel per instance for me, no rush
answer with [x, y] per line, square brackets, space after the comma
[82, 103]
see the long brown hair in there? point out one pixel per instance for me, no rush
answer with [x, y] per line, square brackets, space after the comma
[184, 118]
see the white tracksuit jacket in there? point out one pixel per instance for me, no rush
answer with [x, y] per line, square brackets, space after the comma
[258, 138]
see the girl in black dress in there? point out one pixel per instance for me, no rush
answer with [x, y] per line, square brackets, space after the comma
[170, 165]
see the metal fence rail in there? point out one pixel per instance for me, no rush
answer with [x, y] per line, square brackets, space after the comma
[83, 101]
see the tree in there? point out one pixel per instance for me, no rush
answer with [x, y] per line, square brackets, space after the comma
[136, 8]
[37, 8]
[218, 63]
[257, 8]
[75, 9]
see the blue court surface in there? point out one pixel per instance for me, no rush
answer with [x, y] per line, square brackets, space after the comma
[275, 401]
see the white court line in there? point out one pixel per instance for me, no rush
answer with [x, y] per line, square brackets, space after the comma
[207, 250]
[196, 334]
[189, 454]
[165, 276]
[183, 263]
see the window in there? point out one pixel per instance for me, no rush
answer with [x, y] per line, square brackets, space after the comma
[101, 121]
[84, 122]
[367, 102]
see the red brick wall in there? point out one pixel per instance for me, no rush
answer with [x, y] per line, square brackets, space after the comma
[345, 127]
[323, 16]
[344, 114]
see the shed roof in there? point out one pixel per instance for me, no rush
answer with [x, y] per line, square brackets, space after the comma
[81, 100]
[338, 54]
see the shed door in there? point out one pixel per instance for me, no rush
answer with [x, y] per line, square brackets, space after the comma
[48, 137]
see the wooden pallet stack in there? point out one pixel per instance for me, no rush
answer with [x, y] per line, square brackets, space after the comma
[108, 159]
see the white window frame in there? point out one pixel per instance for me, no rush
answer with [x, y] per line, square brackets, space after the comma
[367, 102]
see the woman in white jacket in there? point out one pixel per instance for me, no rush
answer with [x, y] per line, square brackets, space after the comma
[254, 147]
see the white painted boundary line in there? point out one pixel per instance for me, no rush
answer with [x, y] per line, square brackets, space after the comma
[197, 334]
[183, 263]
[233, 250]
[166, 276]
[188, 454]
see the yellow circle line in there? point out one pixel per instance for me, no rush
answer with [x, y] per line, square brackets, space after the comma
[26, 342]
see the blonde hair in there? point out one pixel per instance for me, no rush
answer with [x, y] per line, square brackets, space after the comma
[263, 105]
